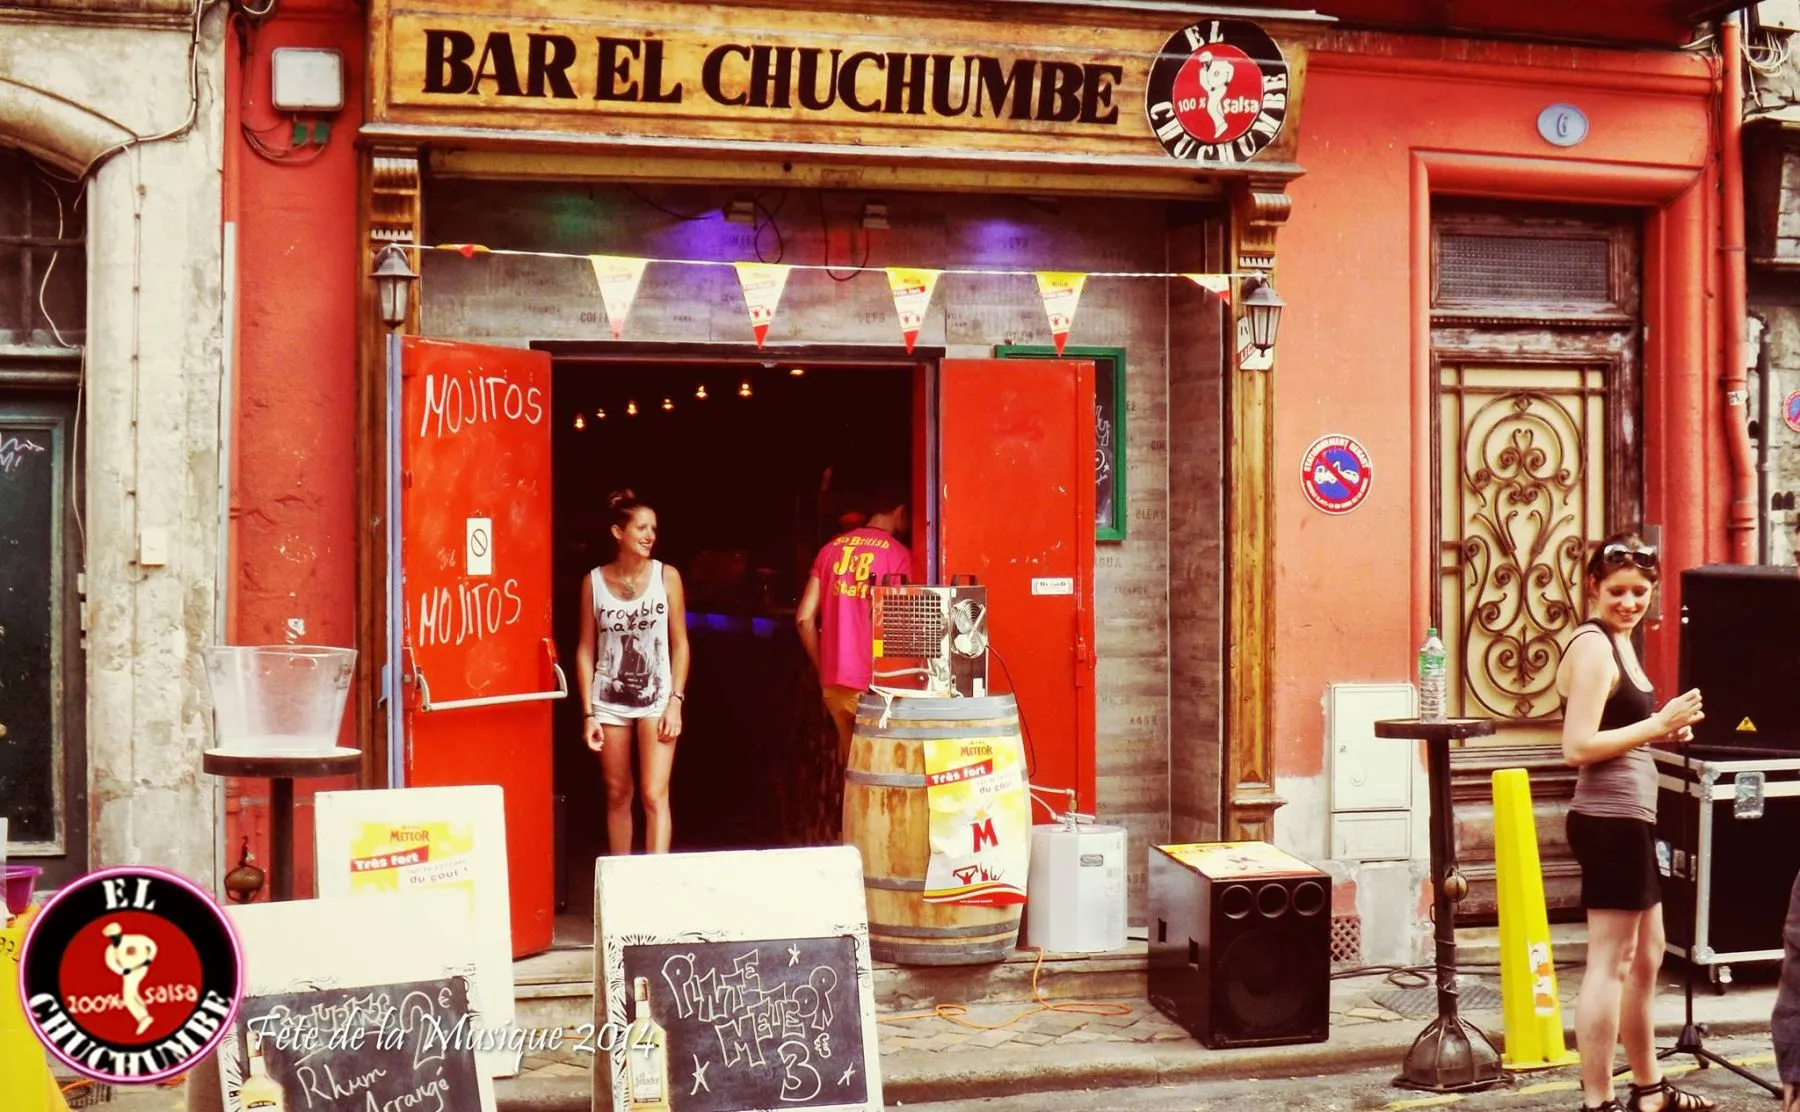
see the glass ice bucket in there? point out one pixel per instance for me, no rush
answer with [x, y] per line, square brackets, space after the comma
[279, 700]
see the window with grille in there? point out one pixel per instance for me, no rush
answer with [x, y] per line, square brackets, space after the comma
[1477, 268]
[43, 262]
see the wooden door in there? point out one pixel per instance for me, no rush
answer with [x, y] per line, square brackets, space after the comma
[1535, 349]
[1016, 510]
[480, 659]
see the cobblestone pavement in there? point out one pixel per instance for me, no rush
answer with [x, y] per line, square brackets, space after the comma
[1075, 1023]
[1355, 1002]
[1372, 1090]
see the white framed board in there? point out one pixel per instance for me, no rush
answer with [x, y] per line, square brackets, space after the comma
[411, 839]
[756, 971]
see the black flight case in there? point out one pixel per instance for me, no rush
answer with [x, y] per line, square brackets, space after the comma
[1728, 847]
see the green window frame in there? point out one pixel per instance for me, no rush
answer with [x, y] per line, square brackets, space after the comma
[1109, 427]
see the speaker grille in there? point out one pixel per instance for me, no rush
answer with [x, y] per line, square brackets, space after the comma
[1266, 981]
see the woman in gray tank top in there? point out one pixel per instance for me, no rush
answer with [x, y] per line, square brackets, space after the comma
[1608, 720]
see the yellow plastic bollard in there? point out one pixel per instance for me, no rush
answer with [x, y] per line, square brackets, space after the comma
[1532, 1009]
[26, 1083]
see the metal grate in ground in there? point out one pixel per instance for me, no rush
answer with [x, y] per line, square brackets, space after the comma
[87, 1095]
[1421, 1002]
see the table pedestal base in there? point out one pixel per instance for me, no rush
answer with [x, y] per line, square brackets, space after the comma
[1450, 1056]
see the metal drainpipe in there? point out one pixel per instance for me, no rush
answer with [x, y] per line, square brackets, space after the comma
[1740, 520]
[1765, 460]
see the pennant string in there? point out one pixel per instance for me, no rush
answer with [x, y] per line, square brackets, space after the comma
[467, 251]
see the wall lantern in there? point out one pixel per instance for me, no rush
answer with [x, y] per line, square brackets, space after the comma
[393, 282]
[1263, 309]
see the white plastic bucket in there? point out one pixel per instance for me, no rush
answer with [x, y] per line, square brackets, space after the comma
[279, 700]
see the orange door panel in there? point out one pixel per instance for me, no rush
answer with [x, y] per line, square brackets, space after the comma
[480, 667]
[1016, 510]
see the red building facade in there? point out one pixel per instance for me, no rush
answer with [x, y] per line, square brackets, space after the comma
[1487, 309]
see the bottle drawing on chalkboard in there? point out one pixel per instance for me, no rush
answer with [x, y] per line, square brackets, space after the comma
[647, 1056]
[260, 1092]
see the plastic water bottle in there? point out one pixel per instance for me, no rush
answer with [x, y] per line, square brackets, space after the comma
[1431, 678]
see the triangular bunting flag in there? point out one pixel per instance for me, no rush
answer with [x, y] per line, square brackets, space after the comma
[1061, 291]
[618, 276]
[763, 283]
[912, 296]
[466, 250]
[1217, 283]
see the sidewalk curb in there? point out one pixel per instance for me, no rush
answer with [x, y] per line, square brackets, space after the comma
[924, 1076]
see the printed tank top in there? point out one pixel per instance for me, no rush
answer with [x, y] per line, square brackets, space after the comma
[1624, 786]
[632, 676]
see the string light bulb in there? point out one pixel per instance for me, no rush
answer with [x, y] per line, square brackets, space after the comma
[744, 390]
[631, 409]
[797, 371]
[668, 404]
[701, 392]
[600, 413]
[579, 422]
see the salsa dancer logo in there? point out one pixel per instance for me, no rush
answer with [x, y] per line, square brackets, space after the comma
[131, 975]
[1218, 92]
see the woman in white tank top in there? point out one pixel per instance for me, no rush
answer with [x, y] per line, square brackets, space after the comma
[632, 664]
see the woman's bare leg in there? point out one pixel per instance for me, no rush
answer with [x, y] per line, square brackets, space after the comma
[656, 759]
[615, 766]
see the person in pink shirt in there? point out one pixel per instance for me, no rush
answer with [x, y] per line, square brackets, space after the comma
[836, 612]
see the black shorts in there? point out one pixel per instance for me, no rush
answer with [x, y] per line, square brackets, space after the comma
[1618, 862]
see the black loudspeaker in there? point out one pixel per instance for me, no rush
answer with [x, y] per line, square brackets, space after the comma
[1240, 943]
[1740, 645]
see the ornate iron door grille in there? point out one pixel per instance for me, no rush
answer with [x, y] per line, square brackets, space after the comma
[1524, 488]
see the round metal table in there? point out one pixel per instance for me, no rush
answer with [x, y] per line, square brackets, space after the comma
[1451, 1055]
[281, 772]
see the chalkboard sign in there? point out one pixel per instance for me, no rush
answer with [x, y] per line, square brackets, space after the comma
[754, 1024]
[29, 497]
[1109, 429]
[401, 1046]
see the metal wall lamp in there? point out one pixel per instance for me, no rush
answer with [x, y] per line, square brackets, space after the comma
[393, 283]
[1263, 310]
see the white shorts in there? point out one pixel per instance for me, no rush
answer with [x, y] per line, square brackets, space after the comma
[610, 716]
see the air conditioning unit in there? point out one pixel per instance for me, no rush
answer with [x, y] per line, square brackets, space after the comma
[932, 640]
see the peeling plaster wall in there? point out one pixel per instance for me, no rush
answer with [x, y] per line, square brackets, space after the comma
[150, 408]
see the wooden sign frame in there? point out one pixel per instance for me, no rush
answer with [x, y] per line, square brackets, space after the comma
[779, 935]
[411, 952]
[1002, 84]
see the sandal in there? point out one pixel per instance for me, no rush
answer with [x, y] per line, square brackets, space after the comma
[1611, 1105]
[1674, 1100]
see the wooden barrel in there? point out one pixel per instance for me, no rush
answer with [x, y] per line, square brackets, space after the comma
[886, 817]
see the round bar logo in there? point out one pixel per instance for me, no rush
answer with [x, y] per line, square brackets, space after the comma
[1218, 92]
[131, 975]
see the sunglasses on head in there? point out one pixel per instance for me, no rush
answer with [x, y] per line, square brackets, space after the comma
[1617, 556]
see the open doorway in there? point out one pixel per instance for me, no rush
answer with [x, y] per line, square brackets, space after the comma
[751, 465]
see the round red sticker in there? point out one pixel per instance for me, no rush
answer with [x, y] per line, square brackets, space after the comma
[1335, 473]
[1218, 94]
